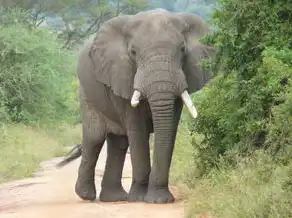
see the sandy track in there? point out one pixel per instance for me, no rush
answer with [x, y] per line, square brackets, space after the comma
[51, 195]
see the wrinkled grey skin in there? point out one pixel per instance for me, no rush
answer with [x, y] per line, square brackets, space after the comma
[157, 53]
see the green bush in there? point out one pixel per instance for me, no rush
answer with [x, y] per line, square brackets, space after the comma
[255, 188]
[248, 104]
[37, 76]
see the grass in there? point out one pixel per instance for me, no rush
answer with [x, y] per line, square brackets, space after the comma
[24, 147]
[182, 158]
[182, 170]
[257, 187]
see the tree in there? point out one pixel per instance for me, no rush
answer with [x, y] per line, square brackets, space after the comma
[75, 20]
[85, 17]
[248, 104]
[36, 74]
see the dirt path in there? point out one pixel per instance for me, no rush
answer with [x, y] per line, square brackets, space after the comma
[51, 195]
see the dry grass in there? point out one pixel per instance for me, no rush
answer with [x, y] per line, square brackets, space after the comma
[24, 147]
[257, 189]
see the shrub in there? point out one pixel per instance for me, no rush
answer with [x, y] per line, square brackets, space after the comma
[256, 188]
[37, 76]
[247, 105]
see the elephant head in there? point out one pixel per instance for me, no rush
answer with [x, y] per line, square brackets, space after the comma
[154, 52]
[153, 56]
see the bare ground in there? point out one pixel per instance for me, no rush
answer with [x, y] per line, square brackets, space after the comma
[50, 194]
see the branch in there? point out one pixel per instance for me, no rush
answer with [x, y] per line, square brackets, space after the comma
[97, 22]
[93, 24]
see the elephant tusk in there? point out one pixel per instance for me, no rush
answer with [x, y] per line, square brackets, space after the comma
[189, 104]
[135, 98]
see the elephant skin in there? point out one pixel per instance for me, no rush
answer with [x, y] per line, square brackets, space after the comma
[154, 54]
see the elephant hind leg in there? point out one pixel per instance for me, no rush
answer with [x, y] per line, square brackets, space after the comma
[112, 189]
[94, 134]
[85, 185]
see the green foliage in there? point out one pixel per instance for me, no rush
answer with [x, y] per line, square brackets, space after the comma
[249, 105]
[255, 188]
[74, 20]
[24, 147]
[133, 6]
[82, 18]
[183, 161]
[37, 76]
[13, 16]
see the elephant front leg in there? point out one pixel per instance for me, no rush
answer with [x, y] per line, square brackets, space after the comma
[112, 189]
[140, 158]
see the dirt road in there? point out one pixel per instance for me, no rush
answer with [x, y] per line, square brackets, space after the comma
[51, 195]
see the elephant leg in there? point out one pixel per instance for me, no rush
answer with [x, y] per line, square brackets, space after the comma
[112, 189]
[140, 158]
[85, 185]
[94, 134]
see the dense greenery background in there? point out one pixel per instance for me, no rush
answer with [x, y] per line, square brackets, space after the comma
[234, 160]
[240, 164]
[248, 105]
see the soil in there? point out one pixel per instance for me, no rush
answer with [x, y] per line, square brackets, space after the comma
[50, 194]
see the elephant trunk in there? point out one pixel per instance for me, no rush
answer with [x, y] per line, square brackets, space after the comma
[163, 113]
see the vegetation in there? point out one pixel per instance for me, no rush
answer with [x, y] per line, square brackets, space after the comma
[74, 20]
[24, 147]
[37, 95]
[239, 159]
[37, 76]
[234, 160]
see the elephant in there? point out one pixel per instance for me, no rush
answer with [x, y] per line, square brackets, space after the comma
[135, 75]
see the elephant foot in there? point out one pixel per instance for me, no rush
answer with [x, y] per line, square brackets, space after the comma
[137, 193]
[113, 194]
[85, 189]
[159, 196]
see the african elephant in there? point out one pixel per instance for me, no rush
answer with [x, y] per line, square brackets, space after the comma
[134, 77]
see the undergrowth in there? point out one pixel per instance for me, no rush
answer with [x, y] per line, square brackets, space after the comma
[24, 147]
[256, 187]
[38, 95]
[235, 158]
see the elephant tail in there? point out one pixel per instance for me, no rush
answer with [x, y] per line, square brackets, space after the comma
[72, 155]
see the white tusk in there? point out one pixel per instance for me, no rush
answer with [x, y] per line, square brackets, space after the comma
[135, 98]
[189, 104]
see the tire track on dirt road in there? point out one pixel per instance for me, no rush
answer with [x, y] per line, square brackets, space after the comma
[50, 194]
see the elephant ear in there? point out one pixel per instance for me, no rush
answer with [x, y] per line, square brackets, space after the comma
[193, 28]
[109, 54]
